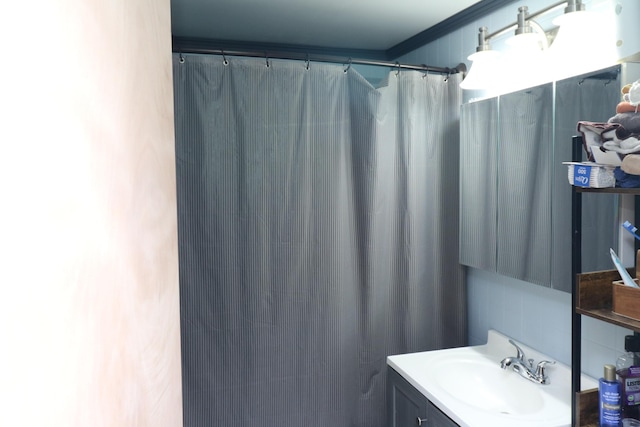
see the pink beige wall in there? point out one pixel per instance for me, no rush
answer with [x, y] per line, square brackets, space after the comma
[89, 302]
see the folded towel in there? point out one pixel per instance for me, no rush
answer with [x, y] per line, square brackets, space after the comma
[592, 135]
[623, 146]
[625, 180]
[610, 136]
[629, 120]
[631, 164]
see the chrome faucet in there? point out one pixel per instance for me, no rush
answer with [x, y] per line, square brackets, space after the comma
[524, 366]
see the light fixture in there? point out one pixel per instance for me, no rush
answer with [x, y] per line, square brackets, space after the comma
[483, 70]
[530, 52]
[529, 35]
[526, 54]
[485, 64]
[585, 41]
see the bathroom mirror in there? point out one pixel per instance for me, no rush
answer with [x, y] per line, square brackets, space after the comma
[590, 97]
[524, 184]
[515, 197]
[478, 184]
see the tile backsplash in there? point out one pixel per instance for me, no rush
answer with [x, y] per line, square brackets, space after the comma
[538, 317]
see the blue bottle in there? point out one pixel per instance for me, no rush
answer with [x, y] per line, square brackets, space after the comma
[610, 399]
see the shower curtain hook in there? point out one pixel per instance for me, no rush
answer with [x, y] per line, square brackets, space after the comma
[266, 58]
[348, 66]
[446, 78]
[306, 62]
[181, 58]
[224, 59]
[398, 70]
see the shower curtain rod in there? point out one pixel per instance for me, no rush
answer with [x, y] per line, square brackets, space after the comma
[278, 54]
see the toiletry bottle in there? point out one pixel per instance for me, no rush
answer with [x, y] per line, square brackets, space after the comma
[609, 396]
[628, 370]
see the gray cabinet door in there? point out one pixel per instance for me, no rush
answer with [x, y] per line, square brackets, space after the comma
[405, 404]
[407, 407]
[437, 418]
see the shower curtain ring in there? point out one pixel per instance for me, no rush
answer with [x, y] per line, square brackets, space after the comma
[398, 69]
[181, 58]
[348, 66]
[266, 58]
[224, 59]
[306, 62]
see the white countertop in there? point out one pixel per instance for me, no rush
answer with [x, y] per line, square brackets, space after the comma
[425, 372]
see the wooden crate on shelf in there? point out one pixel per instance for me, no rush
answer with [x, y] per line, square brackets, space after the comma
[587, 408]
[595, 297]
[626, 300]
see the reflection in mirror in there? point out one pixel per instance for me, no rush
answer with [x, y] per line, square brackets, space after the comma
[515, 198]
[593, 98]
[524, 184]
[478, 157]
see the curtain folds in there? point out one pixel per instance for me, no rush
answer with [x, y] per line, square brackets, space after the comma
[318, 224]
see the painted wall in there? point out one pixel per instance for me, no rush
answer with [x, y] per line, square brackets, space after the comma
[89, 303]
[534, 315]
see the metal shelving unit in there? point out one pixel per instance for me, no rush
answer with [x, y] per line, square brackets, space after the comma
[591, 296]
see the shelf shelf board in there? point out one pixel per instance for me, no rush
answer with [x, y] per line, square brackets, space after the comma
[595, 298]
[611, 317]
[612, 190]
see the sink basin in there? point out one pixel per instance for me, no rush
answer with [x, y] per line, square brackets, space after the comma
[468, 385]
[484, 385]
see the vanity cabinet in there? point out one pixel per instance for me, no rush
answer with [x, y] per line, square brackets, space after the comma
[407, 407]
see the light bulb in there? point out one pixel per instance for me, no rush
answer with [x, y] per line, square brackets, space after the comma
[483, 72]
[585, 42]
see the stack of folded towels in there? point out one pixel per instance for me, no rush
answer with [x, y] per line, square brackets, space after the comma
[620, 134]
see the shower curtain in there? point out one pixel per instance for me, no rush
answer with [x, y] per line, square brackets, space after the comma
[318, 222]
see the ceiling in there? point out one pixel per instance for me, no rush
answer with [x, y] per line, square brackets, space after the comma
[373, 25]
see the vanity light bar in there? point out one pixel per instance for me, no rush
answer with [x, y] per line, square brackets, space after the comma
[522, 22]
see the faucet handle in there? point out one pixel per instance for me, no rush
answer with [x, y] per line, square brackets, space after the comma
[520, 354]
[540, 372]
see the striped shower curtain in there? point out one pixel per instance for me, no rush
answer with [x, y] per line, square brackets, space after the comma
[318, 222]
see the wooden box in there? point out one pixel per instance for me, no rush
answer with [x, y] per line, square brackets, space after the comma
[626, 300]
[595, 297]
